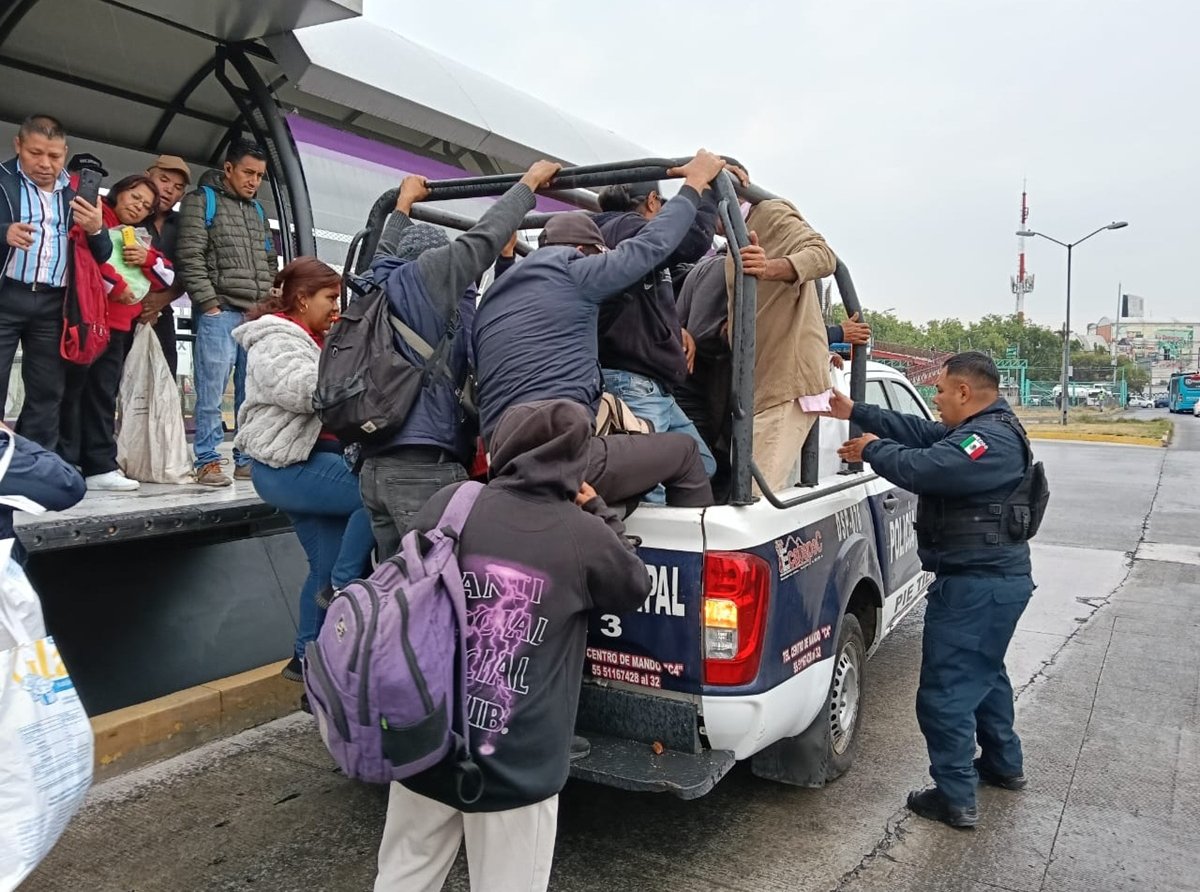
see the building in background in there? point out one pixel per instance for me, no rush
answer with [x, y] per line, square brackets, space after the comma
[1162, 347]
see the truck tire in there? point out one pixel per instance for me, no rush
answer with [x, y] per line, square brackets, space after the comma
[825, 750]
[846, 697]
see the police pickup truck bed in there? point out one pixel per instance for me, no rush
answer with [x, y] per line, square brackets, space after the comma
[753, 641]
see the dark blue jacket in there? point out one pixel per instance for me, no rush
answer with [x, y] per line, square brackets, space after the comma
[935, 461]
[436, 418]
[10, 209]
[38, 475]
[535, 330]
[422, 293]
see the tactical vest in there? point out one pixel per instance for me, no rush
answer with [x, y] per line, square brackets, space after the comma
[945, 524]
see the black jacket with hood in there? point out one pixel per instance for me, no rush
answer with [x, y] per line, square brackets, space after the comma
[533, 565]
[639, 330]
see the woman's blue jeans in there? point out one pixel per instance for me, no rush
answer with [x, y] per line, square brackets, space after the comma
[321, 498]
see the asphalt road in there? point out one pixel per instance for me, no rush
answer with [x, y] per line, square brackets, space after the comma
[265, 810]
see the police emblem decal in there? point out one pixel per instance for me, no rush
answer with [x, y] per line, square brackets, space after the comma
[973, 446]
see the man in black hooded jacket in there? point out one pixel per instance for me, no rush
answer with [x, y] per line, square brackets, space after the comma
[538, 552]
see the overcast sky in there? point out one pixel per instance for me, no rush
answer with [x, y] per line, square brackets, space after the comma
[902, 130]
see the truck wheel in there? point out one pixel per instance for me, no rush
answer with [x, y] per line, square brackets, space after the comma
[846, 697]
[825, 750]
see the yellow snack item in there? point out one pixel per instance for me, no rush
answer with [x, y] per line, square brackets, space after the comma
[128, 236]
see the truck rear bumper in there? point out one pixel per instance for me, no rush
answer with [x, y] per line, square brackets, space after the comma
[632, 765]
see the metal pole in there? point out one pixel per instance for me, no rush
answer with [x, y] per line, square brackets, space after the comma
[1066, 369]
[1116, 322]
[289, 159]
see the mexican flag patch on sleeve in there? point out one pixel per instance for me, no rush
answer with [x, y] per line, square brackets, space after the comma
[973, 446]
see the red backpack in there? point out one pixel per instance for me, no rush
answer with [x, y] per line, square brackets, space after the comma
[85, 308]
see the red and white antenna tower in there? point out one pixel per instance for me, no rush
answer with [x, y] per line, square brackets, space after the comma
[1022, 282]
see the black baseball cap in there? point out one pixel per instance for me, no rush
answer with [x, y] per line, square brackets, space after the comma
[574, 228]
[86, 161]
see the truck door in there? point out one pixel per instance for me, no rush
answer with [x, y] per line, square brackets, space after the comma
[895, 511]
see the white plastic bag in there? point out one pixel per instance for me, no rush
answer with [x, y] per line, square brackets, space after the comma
[152, 445]
[45, 736]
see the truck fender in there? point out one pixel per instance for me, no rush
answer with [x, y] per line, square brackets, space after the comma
[803, 760]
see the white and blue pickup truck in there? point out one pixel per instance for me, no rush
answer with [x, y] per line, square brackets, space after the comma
[753, 643]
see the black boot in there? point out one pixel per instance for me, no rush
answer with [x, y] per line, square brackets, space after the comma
[580, 748]
[324, 596]
[1012, 782]
[931, 804]
[294, 670]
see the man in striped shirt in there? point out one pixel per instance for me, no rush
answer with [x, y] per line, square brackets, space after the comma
[37, 207]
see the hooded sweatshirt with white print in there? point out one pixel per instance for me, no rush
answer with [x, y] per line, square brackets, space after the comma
[534, 563]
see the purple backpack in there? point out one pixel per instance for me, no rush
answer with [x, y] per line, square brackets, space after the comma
[387, 675]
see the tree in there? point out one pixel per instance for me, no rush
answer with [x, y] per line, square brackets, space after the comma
[993, 334]
[1097, 366]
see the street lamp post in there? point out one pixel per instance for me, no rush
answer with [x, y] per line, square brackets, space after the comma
[1066, 361]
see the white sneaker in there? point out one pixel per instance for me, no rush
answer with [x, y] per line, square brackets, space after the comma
[113, 481]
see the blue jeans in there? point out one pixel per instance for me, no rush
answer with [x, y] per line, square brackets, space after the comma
[648, 401]
[964, 696]
[321, 498]
[215, 356]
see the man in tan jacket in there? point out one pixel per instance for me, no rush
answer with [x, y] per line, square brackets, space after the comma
[791, 361]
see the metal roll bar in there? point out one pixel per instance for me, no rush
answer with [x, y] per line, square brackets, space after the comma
[742, 324]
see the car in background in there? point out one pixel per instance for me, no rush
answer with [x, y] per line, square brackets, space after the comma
[1196, 410]
[1162, 402]
[1141, 402]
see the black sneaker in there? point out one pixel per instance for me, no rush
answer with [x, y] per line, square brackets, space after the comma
[580, 748]
[932, 805]
[294, 670]
[1012, 782]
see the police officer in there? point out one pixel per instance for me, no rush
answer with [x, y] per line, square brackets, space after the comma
[981, 498]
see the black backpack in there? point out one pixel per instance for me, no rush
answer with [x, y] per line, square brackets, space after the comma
[365, 386]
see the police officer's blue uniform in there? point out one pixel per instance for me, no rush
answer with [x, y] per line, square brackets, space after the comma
[983, 583]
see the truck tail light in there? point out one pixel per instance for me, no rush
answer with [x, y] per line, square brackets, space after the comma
[736, 589]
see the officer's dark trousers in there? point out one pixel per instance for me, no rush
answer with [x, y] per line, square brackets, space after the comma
[964, 694]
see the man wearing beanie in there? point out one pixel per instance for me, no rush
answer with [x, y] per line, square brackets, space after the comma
[429, 282]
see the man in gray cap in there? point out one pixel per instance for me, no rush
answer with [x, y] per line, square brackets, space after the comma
[429, 282]
[172, 175]
[536, 328]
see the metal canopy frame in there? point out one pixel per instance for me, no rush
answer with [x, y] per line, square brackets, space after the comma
[570, 181]
[258, 112]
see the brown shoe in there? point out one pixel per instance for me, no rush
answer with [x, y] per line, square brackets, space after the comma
[241, 472]
[211, 475]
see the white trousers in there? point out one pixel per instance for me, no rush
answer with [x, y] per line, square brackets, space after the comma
[507, 851]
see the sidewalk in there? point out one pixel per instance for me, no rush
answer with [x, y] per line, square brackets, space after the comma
[1112, 746]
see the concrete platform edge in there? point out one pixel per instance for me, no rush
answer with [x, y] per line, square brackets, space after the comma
[167, 726]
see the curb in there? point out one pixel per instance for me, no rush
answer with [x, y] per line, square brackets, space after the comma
[1096, 438]
[157, 729]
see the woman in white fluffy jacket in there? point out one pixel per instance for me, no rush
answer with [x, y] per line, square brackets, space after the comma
[295, 465]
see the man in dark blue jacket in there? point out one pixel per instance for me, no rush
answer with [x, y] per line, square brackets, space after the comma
[429, 282]
[37, 208]
[968, 471]
[32, 479]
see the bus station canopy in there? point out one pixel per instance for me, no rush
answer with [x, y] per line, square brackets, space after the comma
[144, 75]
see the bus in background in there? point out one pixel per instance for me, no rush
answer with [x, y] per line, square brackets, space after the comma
[1183, 391]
